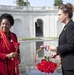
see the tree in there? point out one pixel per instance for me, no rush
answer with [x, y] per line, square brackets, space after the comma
[57, 2]
[22, 3]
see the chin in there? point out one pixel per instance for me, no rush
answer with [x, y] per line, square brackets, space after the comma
[5, 31]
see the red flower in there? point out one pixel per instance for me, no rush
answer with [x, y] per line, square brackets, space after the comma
[46, 66]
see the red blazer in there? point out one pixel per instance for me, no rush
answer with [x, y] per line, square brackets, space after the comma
[5, 63]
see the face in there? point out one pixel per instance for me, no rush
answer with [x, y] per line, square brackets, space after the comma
[62, 16]
[5, 25]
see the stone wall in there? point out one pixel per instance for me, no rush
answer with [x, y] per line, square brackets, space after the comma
[25, 18]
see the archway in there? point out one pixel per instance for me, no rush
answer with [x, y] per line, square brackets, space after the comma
[39, 28]
[39, 33]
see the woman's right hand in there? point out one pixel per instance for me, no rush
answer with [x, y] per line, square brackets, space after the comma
[12, 55]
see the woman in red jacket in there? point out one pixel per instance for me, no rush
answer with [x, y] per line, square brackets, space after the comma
[9, 47]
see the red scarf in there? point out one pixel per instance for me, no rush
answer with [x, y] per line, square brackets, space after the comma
[7, 41]
[9, 48]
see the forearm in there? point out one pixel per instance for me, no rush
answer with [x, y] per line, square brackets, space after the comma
[65, 48]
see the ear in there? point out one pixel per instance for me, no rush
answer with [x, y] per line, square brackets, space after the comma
[67, 14]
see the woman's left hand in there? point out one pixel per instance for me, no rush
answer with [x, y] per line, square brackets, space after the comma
[53, 55]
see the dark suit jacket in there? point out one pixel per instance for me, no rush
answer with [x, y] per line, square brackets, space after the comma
[66, 46]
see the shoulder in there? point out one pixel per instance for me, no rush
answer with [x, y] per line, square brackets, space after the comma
[14, 34]
[71, 24]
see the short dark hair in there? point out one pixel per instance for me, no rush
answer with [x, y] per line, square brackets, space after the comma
[7, 16]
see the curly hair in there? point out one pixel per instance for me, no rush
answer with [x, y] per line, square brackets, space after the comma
[7, 16]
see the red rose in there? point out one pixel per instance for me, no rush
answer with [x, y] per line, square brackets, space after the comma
[46, 66]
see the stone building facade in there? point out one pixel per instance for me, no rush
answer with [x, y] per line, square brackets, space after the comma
[34, 21]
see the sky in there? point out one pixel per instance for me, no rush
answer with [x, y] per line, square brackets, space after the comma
[36, 3]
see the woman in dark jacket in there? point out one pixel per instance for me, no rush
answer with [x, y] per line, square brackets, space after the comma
[66, 39]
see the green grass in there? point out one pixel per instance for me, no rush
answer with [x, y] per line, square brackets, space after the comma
[37, 38]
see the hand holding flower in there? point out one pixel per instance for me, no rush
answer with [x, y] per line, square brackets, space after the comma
[52, 48]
